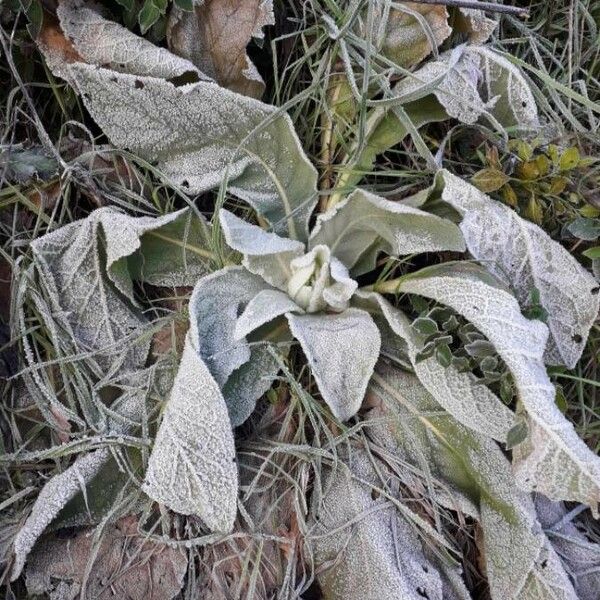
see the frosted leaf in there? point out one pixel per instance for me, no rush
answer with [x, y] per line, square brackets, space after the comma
[102, 42]
[176, 254]
[553, 460]
[475, 24]
[265, 253]
[61, 501]
[249, 382]
[579, 554]
[216, 302]
[363, 224]
[342, 350]
[363, 549]
[527, 259]
[192, 468]
[472, 81]
[83, 264]
[519, 560]
[405, 39]
[20, 165]
[263, 308]
[52, 499]
[200, 133]
[468, 401]
[214, 37]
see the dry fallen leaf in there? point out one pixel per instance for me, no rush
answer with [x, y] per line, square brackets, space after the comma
[214, 37]
[126, 565]
[410, 30]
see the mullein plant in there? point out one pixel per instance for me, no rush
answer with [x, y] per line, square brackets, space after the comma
[293, 279]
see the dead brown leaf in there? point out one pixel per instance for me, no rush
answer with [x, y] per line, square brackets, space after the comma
[214, 37]
[127, 566]
[406, 40]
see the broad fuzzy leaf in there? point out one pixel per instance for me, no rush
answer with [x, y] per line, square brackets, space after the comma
[527, 259]
[214, 37]
[176, 254]
[363, 548]
[84, 269]
[58, 499]
[363, 224]
[263, 308]
[519, 560]
[249, 382]
[192, 468]
[216, 302]
[342, 350]
[553, 460]
[474, 81]
[200, 134]
[52, 499]
[468, 401]
[265, 253]
[102, 42]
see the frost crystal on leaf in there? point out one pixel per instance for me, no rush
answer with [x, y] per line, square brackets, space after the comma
[192, 468]
[103, 42]
[85, 264]
[527, 259]
[53, 497]
[468, 401]
[342, 350]
[553, 460]
[363, 224]
[471, 82]
[199, 134]
[364, 548]
[519, 560]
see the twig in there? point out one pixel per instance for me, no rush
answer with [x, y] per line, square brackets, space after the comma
[487, 6]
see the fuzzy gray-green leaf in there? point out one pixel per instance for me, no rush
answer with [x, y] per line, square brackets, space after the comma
[363, 224]
[468, 401]
[364, 549]
[527, 259]
[471, 82]
[216, 302]
[265, 253]
[553, 460]
[192, 468]
[84, 269]
[341, 350]
[519, 560]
